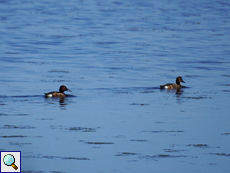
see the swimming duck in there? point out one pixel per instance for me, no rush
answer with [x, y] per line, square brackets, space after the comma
[173, 86]
[56, 93]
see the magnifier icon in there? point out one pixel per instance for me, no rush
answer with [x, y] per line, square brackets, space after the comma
[9, 160]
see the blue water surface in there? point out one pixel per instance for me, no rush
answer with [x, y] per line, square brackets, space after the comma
[114, 55]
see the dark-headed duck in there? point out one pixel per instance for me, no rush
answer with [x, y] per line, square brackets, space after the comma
[56, 93]
[177, 85]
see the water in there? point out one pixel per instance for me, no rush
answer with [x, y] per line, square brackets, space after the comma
[113, 55]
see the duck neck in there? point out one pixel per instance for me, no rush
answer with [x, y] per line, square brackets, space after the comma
[177, 82]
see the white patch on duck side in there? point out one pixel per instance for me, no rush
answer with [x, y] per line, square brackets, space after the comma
[49, 95]
[166, 87]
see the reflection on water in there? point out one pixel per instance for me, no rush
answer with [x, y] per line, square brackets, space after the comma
[63, 101]
[178, 91]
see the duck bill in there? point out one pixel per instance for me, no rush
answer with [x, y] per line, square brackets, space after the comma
[69, 90]
[183, 81]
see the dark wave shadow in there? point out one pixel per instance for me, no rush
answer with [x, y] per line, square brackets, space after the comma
[128, 90]
[34, 98]
[30, 96]
[20, 96]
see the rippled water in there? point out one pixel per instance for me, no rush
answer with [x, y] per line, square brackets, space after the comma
[113, 55]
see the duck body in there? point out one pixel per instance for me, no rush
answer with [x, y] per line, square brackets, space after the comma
[56, 93]
[171, 86]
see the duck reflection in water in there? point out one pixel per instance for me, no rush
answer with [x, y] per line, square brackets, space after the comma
[178, 91]
[63, 101]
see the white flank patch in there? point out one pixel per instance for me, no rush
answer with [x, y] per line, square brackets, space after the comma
[49, 95]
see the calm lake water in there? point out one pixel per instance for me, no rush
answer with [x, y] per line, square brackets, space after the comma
[113, 55]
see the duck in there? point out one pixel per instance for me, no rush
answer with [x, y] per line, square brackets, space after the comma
[171, 86]
[58, 94]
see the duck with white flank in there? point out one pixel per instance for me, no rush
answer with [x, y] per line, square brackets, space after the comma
[171, 86]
